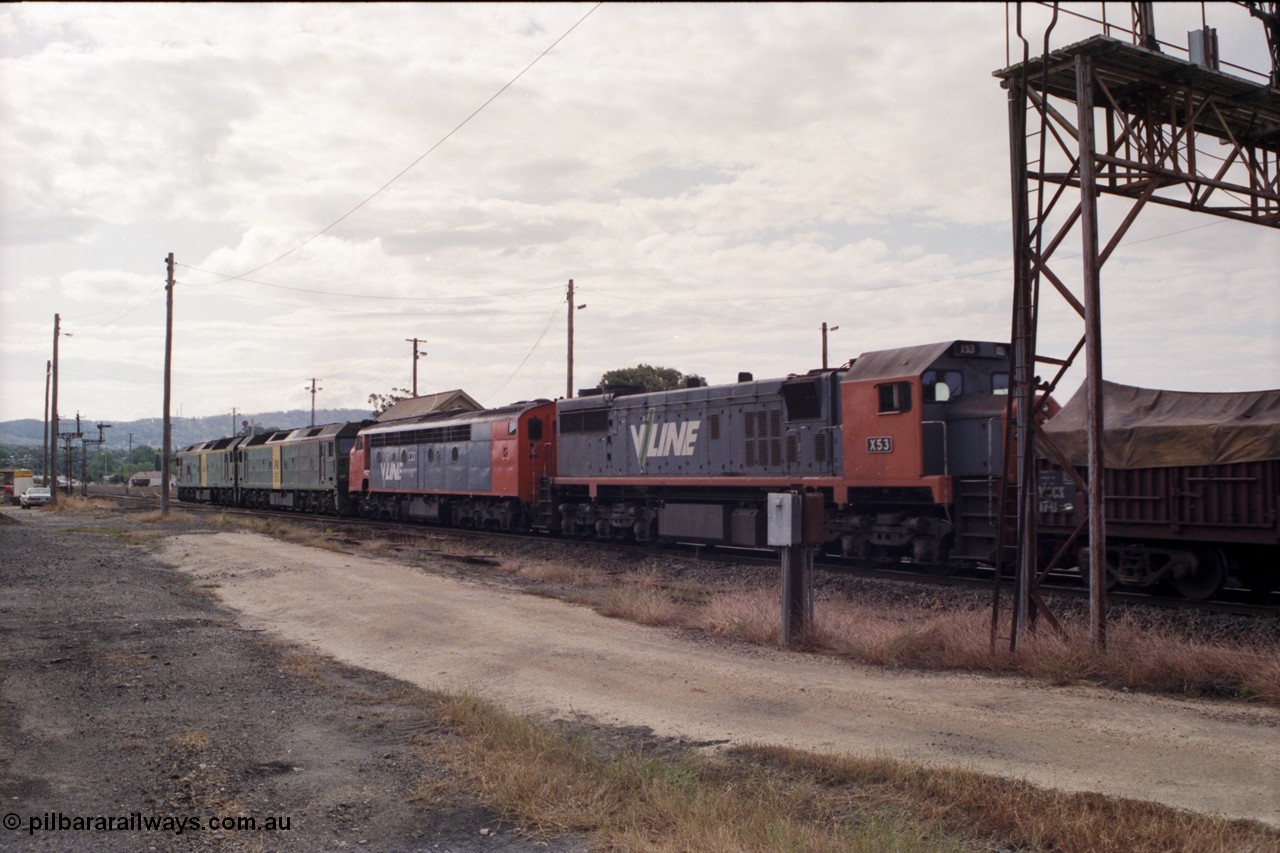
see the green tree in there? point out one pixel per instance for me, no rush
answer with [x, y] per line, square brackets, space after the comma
[382, 402]
[648, 377]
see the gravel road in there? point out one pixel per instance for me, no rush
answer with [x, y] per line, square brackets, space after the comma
[543, 656]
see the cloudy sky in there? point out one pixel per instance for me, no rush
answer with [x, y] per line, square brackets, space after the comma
[718, 180]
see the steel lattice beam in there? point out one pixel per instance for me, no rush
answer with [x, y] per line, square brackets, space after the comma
[1173, 133]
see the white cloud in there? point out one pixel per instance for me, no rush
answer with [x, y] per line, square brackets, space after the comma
[686, 164]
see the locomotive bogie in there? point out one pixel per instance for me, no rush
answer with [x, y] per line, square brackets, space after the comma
[1196, 572]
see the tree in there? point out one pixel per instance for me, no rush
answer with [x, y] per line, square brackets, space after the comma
[648, 377]
[382, 402]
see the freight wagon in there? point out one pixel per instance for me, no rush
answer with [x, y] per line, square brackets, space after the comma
[1192, 488]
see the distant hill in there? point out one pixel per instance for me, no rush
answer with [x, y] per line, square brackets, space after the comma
[150, 431]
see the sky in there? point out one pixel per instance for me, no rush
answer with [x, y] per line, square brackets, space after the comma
[718, 180]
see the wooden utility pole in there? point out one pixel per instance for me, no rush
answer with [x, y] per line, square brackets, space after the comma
[416, 356]
[824, 343]
[53, 423]
[314, 389]
[168, 372]
[1092, 355]
[568, 392]
[44, 460]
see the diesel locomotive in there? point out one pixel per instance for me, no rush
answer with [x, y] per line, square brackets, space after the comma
[904, 448]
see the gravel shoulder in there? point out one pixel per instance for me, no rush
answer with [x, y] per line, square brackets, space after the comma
[127, 688]
[219, 673]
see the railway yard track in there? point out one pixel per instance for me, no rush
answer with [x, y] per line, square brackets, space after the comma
[1233, 600]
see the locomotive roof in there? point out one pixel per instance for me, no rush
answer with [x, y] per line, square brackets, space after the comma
[913, 361]
[324, 431]
[896, 363]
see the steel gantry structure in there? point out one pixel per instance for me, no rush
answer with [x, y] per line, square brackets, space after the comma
[1140, 121]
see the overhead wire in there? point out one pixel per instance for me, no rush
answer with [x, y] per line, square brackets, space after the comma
[527, 356]
[424, 154]
[353, 295]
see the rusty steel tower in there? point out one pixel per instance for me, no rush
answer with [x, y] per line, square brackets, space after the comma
[1125, 113]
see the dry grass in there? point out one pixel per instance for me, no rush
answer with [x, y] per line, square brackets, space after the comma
[743, 614]
[553, 571]
[298, 534]
[174, 516]
[78, 504]
[648, 605]
[555, 783]
[301, 664]
[1136, 657]
[771, 798]
[194, 740]
[1020, 815]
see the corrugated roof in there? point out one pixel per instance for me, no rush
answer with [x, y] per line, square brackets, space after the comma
[415, 407]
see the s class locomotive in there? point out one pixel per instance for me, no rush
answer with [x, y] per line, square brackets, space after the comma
[905, 447]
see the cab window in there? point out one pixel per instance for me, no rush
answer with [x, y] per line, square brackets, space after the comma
[939, 386]
[894, 397]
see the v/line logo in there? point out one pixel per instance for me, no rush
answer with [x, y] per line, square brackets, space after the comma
[664, 439]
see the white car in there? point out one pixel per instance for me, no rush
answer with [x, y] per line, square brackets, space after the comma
[36, 496]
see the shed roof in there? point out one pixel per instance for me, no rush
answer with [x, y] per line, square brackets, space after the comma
[417, 406]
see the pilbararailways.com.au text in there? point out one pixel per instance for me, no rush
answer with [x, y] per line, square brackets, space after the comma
[138, 822]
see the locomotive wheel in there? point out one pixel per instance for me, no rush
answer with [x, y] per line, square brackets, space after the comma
[1206, 580]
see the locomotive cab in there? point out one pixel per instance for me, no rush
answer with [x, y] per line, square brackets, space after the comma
[922, 439]
[919, 417]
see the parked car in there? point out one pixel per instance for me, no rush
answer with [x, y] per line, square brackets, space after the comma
[35, 496]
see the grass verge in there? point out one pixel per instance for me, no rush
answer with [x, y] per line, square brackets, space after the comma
[1137, 657]
[553, 781]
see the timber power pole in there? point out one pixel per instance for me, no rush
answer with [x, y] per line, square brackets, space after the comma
[44, 460]
[416, 356]
[314, 389]
[824, 343]
[52, 470]
[568, 391]
[168, 373]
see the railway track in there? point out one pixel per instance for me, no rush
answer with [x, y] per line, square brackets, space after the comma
[1232, 601]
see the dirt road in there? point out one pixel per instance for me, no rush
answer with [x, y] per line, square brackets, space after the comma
[544, 656]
